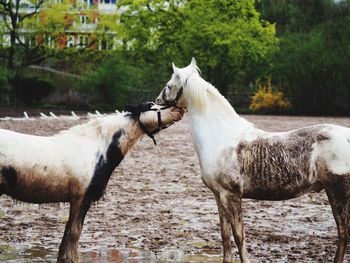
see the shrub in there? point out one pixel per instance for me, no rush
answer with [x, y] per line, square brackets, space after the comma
[110, 84]
[268, 99]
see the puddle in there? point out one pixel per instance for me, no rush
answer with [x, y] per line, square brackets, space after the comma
[11, 254]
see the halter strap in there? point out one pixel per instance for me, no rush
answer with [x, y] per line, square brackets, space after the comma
[174, 101]
[159, 121]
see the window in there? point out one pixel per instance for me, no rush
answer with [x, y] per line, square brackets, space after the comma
[89, 2]
[70, 41]
[83, 41]
[84, 19]
[108, 1]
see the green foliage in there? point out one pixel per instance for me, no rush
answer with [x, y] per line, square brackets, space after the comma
[303, 45]
[231, 40]
[227, 37]
[111, 83]
[312, 64]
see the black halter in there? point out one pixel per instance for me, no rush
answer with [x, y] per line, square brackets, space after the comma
[161, 126]
[135, 112]
[174, 101]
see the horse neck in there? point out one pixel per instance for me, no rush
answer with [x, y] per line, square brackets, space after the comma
[215, 124]
[102, 130]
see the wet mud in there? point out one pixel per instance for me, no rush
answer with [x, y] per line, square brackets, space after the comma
[156, 209]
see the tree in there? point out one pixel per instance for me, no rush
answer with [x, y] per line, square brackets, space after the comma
[39, 28]
[231, 39]
[227, 37]
[13, 18]
[312, 62]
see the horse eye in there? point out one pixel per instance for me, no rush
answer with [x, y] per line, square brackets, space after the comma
[169, 87]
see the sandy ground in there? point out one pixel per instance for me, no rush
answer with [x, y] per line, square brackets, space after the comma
[156, 208]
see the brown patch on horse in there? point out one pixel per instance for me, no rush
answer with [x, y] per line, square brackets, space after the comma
[278, 168]
[228, 178]
[43, 185]
[322, 137]
[132, 134]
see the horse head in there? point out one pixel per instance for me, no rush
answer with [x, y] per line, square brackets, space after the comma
[172, 94]
[153, 118]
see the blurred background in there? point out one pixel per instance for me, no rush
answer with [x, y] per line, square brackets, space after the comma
[265, 56]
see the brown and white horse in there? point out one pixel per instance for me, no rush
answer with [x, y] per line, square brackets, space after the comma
[75, 165]
[238, 160]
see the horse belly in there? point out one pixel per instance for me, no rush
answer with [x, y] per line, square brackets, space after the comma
[278, 192]
[30, 185]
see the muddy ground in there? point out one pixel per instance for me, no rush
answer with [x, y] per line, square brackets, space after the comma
[156, 208]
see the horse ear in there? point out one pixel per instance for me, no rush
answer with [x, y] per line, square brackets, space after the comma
[193, 62]
[176, 70]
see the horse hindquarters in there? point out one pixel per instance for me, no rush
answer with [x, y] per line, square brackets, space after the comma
[338, 191]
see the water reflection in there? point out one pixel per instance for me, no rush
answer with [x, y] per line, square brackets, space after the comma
[111, 255]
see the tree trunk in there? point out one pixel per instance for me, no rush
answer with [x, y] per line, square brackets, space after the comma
[12, 67]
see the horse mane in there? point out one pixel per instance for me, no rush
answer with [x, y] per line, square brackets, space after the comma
[202, 94]
[94, 127]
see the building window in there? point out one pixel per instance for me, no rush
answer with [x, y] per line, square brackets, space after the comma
[84, 19]
[49, 42]
[108, 1]
[83, 42]
[89, 2]
[70, 41]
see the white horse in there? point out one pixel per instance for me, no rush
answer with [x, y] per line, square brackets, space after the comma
[238, 160]
[75, 165]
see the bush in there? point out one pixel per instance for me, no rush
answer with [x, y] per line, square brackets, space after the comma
[110, 85]
[268, 100]
[33, 90]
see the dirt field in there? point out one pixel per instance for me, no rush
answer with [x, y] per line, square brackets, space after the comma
[156, 208]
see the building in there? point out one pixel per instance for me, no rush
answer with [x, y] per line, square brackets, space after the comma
[81, 24]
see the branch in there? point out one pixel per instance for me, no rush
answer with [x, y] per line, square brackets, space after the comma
[36, 9]
[6, 5]
[21, 42]
[149, 7]
[4, 18]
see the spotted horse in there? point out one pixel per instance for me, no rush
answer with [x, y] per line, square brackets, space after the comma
[75, 165]
[238, 160]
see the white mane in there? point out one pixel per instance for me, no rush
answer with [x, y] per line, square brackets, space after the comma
[98, 127]
[202, 94]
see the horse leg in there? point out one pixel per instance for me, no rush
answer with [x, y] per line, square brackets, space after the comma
[233, 211]
[226, 232]
[2, 185]
[339, 197]
[68, 251]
